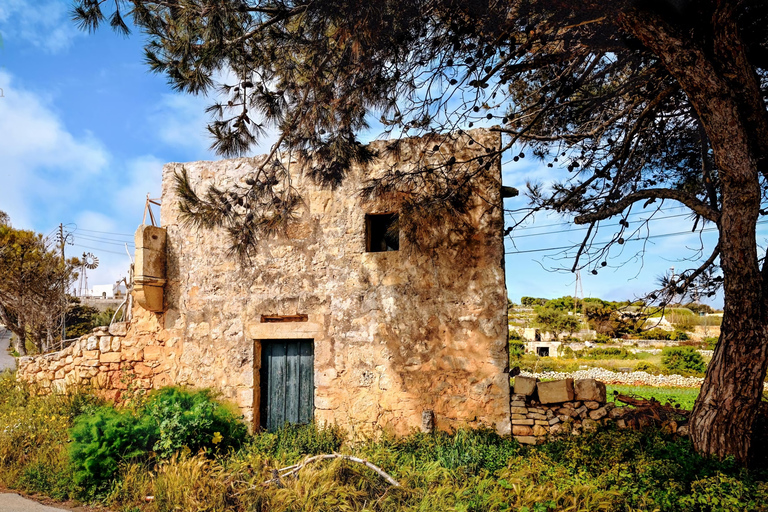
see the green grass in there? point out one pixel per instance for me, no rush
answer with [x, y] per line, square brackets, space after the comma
[465, 471]
[684, 397]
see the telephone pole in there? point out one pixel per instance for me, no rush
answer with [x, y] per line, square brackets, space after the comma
[63, 285]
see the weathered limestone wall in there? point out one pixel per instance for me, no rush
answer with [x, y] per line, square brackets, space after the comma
[395, 333]
[132, 356]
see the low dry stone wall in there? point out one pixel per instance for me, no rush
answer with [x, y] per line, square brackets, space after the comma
[632, 378]
[541, 410]
[111, 361]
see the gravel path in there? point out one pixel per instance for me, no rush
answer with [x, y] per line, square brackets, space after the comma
[7, 361]
[15, 503]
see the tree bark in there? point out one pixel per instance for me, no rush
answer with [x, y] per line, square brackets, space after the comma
[724, 90]
[19, 345]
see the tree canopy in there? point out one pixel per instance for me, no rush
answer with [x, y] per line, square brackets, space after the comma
[639, 102]
[32, 280]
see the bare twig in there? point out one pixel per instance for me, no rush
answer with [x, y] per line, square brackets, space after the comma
[294, 469]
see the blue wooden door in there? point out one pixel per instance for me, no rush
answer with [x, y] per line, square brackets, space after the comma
[287, 382]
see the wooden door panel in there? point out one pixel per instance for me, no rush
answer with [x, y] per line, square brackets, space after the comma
[287, 382]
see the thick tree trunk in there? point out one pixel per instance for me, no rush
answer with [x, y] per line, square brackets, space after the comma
[722, 419]
[722, 86]
[19, 345]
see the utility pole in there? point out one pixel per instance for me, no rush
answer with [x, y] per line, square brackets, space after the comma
[63, 286]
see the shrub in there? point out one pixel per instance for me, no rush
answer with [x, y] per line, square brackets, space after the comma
[645, 366]
[104, 439]
[604, 353]
[290, 441]
[602, 338]
[192, 419]
[709, 343]
[682, 360]
[173, 419]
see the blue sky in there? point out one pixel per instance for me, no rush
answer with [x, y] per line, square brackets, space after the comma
[85, 130]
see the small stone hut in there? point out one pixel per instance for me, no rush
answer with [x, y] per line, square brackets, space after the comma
[343, 319]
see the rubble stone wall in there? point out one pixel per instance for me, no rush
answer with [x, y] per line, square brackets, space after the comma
[395, 333]
[125, 357]
[542, 410]
[399, 336]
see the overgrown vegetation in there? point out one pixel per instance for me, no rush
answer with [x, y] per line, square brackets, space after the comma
[172, 420]
[683, 361]
[469, 471]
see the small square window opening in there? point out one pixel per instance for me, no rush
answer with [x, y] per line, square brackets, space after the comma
[382, 232]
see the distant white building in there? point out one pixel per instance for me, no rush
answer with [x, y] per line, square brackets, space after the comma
[108, 291]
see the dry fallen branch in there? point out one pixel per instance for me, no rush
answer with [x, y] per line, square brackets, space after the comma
[652, 406]
[294, 469]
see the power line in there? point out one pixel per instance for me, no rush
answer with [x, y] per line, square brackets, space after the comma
[515, 237]
[98, 249]
[555, 224]
[105, 240]
[660, 235]
[104, 232]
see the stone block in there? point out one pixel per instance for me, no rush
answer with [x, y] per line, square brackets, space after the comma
[141, 370]
[525, 386]
[589, 390]
[133, 354]
[110, 357]
[528, 439]
[522, 430]
[518, 403]
[516, 416]
[598, 414]
[118, 329]
[153, 353]
[540, 430]
[592, 405]
[105, 344]
[115, 346]
[519, 410]
[541, 422]
[556, 391]
[535, 416]
[554, 421]
[617, 412]
[92, 343]
[163, 379]
[523, 422]
[91, 354]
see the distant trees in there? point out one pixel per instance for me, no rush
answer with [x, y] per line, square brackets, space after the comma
[555, 321]
[32, 278]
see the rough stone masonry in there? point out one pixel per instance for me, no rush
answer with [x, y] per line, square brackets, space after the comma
[401, 338]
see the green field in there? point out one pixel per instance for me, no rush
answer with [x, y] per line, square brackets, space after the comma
[684, 397]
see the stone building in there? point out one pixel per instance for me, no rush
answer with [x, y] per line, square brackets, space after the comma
[347, 318]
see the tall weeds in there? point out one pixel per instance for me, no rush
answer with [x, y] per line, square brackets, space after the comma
[467, 471]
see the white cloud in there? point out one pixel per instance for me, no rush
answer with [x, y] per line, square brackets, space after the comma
[42, 162]
[181, 121]
[44, 24]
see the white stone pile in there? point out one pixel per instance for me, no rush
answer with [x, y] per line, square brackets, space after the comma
[633, 378]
